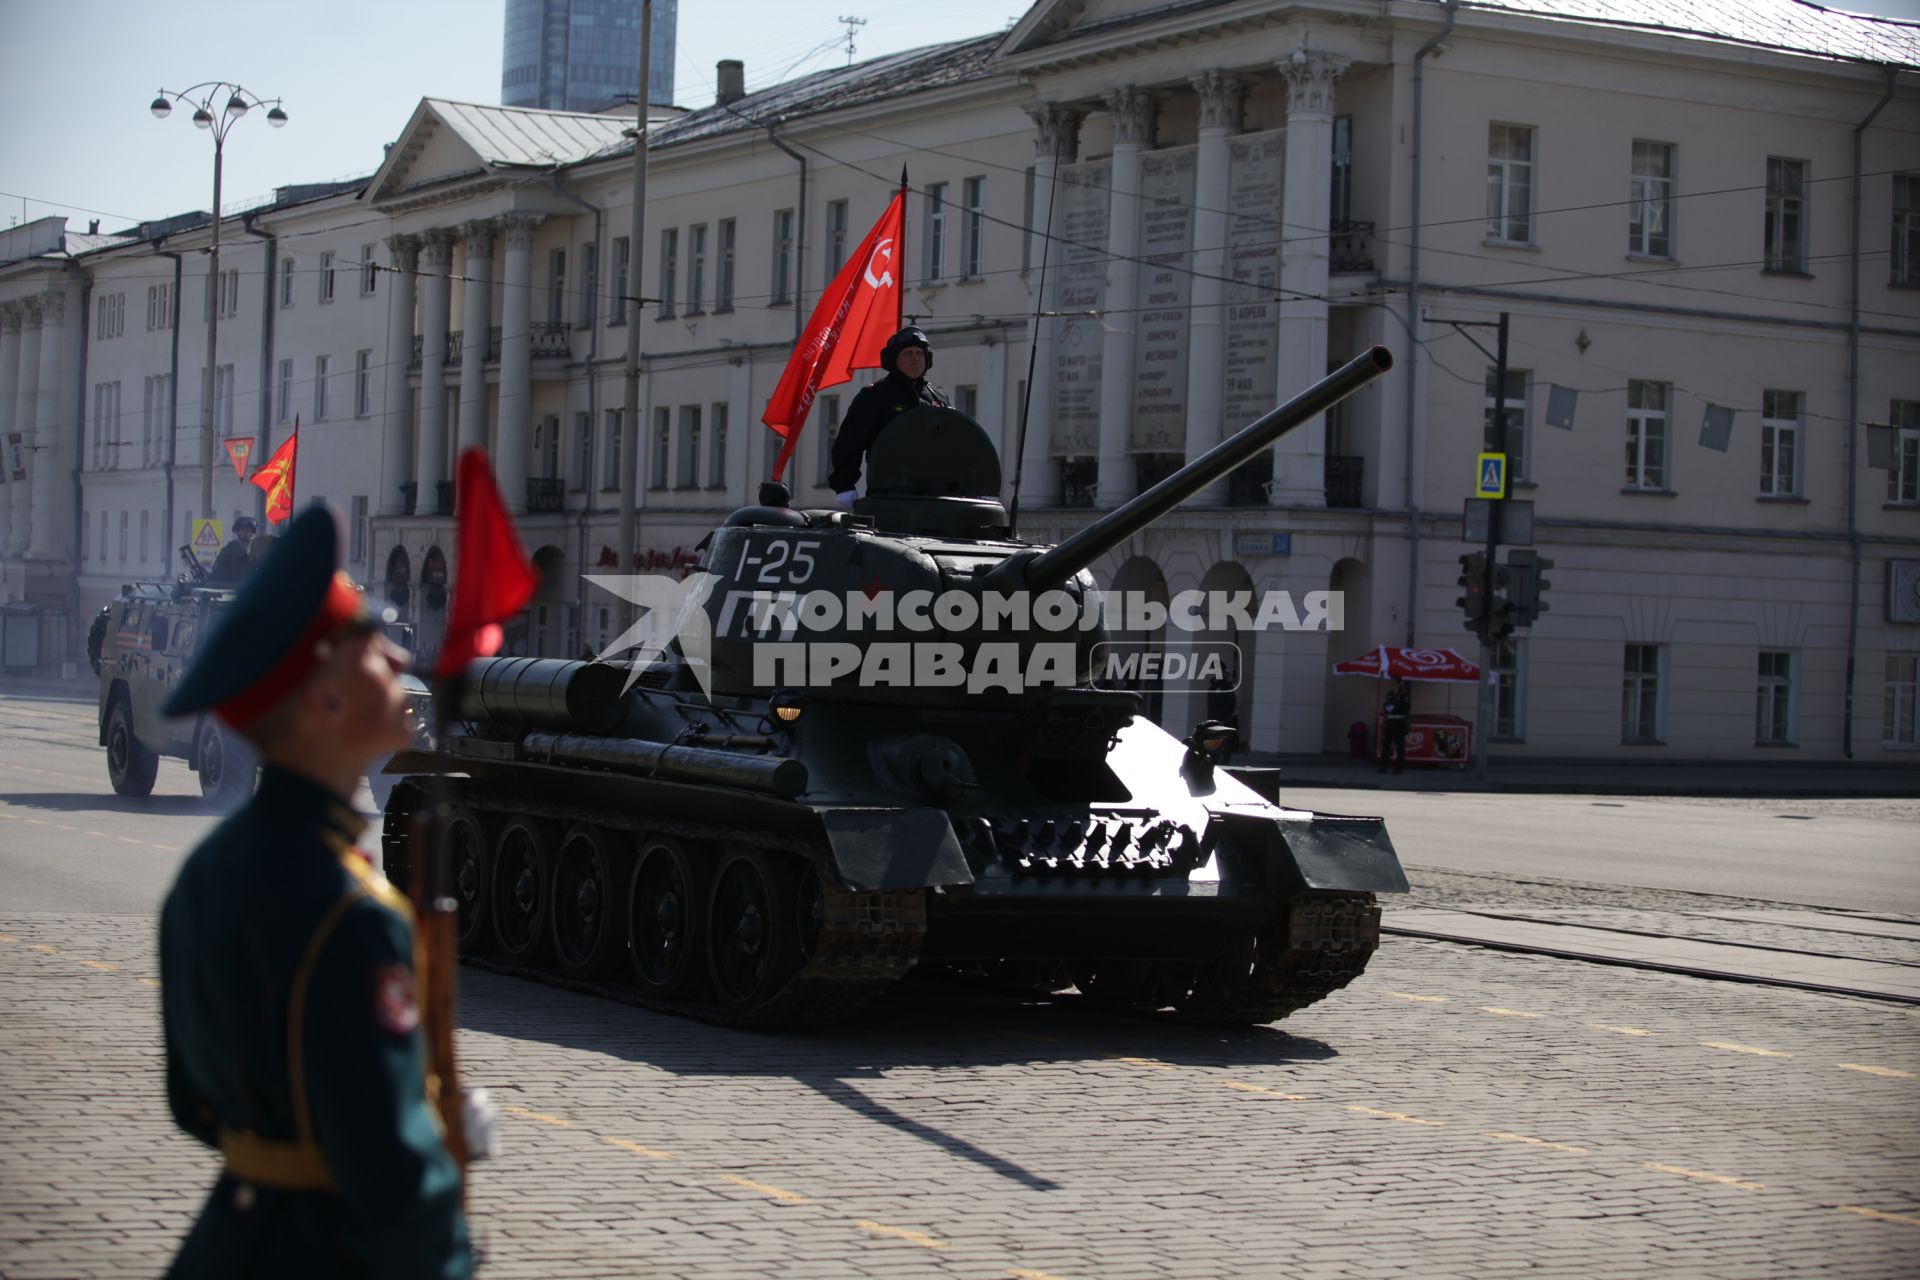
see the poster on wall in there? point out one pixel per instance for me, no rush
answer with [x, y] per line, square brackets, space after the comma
[1079, 286]
[1256, 166]
[16, 456]
[1164, 291]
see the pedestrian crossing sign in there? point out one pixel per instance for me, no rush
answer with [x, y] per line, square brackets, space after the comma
[1492, 476]
[206, 541]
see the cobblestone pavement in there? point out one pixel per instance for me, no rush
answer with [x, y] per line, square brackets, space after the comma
[1456, 1112]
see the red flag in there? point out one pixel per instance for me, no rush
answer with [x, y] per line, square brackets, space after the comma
[493, 580]
[856, 315]
[239, 450]
[275, 476]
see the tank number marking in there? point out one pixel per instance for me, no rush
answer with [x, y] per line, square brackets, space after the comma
[784, 564]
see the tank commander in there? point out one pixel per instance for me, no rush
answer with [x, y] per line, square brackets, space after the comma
[231, 565]
[906, 358]
[293, 1041]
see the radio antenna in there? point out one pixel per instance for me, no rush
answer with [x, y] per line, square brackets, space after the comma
[1033, 348]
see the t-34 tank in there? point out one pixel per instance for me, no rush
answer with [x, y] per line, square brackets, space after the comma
[777, 820]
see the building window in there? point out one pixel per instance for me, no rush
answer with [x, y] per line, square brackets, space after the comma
[966, 398]
[146, 542]
[369, 273]
[224, 402]
[610, 480]
[782, 257]
[556, 286]
[285, 394]
[357, 530]
[1642, 709]
[1516, 414]
[1779, 443]
[1341, 204]
[363, 384]
[717, 446]
[1903, 482]
[547, 448]
[836, 237]
[669, 270]
[286, 282]
[103, 535]
[1650, 216]
[326, 275]
[723, 273]
[1773, 700]
[662, 447]
[582, 451]
[687, 476]
[936, 265]
[1903, 691]
[1510, 184]
[123, 537]
[320, 364]
[1906, 229]
[696, 269]
[828, 407]
[589, 283]
[972, 247]
[1786, 229]
[622, 253]
[1646, 434]
[160, 306]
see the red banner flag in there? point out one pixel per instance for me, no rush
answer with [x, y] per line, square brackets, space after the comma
[493, 581]
[275, 476]
[239, 450]
[856, 315]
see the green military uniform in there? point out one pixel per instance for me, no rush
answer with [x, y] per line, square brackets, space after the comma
[287, 993]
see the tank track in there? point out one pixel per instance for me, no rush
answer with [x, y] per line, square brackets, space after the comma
[867, 941]
[1325, 944]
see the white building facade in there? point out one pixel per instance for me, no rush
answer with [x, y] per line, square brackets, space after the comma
[1241, 196]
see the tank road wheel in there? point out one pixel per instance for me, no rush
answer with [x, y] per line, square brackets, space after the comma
[131, 766]
[751, 947]
[665, 903]
[227, 765]
[469, 866]
[810, 912]
[522, 890]
[587, 933]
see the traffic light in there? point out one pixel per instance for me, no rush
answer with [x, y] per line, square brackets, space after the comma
[1540, 584]
[1473, 601]
[1527, 571]
[1502, 619]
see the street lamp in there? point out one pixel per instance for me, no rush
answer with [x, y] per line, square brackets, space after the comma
[238, 101]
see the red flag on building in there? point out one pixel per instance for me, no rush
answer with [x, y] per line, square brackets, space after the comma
[856, 315]
[493, 580]
[239, 450]
[275, 476]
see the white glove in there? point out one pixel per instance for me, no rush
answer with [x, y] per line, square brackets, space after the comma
[846, 499]
[479, 1118]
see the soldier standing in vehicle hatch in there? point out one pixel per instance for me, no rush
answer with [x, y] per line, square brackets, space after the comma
[906, 358]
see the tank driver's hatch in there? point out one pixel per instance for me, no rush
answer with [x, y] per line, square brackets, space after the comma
[934, 470]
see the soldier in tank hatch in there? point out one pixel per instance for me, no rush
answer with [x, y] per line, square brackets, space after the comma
[906, 358]
[293, 1041]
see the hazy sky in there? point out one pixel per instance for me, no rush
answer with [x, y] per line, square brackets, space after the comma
[75, 82]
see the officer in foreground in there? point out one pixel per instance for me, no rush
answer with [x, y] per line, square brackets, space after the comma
[287, 962]
[231, 565]
[906, 358]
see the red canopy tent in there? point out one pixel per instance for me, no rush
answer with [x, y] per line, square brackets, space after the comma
[1389, 662]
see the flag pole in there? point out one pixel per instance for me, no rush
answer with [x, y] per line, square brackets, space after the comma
[900, 298]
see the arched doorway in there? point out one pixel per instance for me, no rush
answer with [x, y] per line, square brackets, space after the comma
[430, 605]
[1349, 699]
[398, 584]
[1139, 576]
[543, 625]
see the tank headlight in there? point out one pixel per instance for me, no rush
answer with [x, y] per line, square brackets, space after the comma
[786, 707]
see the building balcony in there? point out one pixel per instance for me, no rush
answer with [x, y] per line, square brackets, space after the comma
[1344, 477]
[552, 338]
[1352, 247]
[546, 495]
[1079, 477]
[1249, 483]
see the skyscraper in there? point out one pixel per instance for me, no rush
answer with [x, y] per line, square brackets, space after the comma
[583, 55]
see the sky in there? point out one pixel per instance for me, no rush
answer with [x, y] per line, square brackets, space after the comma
[78, 139]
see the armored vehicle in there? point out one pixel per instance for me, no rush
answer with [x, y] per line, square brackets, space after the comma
[763, 842]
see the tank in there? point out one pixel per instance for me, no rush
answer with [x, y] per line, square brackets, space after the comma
[753, 827]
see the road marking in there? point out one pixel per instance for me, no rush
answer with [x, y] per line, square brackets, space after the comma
[1244, 1087]
[1401, 1116]
[1625, 1031]
[7, 937]
[901, 1233]
[1720, 1178]
[760, 1188]
[1509, 1013]
[541, 1116]
[1891, 1073]
[1147, 1063]
[1408, 995]
[128, 840]
[170, 848]
[103, 835]
[1537, 1142]
[44, 949]
[96, 964]
[626, 1144]
[152, 982]
[1755, 1050]
[1878, 1215]
[1022, 1273]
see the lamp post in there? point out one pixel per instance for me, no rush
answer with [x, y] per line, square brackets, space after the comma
[216, 116]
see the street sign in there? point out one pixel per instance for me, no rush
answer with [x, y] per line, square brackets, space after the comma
[239, 450]
[1490, 476]
[1266, 543]
[206, 541]
[1516, 521]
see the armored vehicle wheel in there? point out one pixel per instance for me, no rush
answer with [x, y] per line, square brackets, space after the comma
[751, 945]
[227, 765]
[469, 838]
[587, 927]
[665, 905]
[521, 885]
[131, 767]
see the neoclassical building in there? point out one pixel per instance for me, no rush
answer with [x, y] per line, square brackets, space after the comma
[1705, 239]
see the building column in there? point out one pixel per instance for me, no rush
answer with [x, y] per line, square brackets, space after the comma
[1133, 119]
[396, 438]
[430, 454]
[511, 460]
[9, 387]
[476, 320]
[42, 542]
[1221, 95]
[1300, 458]
[1056, 141]
[26, 404]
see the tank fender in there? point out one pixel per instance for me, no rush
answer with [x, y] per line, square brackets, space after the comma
[880, 849]
[1333, 851]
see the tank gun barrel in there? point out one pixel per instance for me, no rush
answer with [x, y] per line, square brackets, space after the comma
[1057, 565]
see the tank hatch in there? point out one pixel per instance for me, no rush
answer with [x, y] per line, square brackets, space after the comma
[934, 471]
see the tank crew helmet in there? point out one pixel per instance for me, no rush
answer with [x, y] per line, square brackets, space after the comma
[911, 336]
[245, 524]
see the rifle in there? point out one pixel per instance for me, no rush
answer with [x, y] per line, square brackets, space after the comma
[436, 920]
[196, 573]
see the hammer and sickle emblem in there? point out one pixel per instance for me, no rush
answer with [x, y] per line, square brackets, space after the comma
[882, 250]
